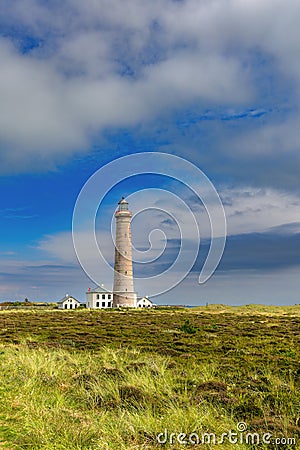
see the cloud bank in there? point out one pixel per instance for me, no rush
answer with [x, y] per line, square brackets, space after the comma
[75, 69]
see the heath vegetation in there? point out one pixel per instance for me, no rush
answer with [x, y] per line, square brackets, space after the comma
[116, 379]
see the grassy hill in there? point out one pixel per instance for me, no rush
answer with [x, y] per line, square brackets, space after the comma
[116, 379]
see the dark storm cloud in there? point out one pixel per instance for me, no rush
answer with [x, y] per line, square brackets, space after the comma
[273, 250]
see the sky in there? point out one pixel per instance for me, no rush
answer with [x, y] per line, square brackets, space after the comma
[86, 87]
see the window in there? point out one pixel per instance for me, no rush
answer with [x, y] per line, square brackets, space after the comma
[66, 306]
[97, 304]
[103, 304]
[109, 304]
[109, 296]
[98, 296]
[125, 272]
[103, 296]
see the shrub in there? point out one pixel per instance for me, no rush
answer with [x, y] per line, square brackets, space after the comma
[188, 327]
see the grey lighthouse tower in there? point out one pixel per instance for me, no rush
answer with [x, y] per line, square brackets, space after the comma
[123, 292]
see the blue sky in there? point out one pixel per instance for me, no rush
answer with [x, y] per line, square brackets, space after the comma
[216, 83]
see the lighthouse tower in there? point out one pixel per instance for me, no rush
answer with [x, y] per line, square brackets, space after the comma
[123, 292]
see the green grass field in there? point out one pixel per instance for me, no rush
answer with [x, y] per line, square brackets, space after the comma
[116, 379]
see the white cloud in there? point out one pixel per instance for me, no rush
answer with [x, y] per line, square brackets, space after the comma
[190, 76]
[56, 97]
[247, 210]
[256, 25]
[250, 210]
[35, 121]
[41, 279]
[58, 246]
[269, 140]
[55, 267]
[46, 117]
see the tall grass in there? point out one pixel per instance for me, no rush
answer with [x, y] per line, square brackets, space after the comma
[116, 379]
[122, 399]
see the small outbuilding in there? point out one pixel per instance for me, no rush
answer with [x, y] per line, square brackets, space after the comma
[68, 302]
[145, 302]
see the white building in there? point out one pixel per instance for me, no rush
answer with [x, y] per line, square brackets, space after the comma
[99, 298]
[68, 302]
[145, 302]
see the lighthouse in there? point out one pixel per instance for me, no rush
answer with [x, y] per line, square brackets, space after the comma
[123, 292]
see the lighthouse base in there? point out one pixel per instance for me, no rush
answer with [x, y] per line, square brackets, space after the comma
[125, 300]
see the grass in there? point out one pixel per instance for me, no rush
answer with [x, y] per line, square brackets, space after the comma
[116, 379]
